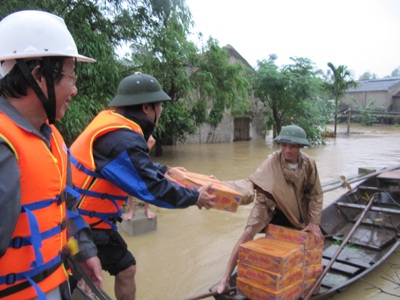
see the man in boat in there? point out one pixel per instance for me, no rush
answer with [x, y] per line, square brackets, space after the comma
[112, 161]
[38, 58]
[288, 193]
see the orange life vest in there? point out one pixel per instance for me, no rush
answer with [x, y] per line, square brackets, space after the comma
[40, 232]
[101, 201]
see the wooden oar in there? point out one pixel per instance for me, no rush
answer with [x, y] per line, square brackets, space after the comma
[328, 187]
[344, 243]
[210, 294]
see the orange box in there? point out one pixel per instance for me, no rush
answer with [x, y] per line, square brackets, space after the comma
[226, 198]
[312, 257]
[272, 280]
[312, 271]
[307, 239]
[258, 292]
[307, 285]
[272, 255]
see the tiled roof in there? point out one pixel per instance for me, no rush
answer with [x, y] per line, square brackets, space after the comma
[375, 85]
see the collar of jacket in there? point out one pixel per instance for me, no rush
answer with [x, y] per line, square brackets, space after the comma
[145, 124]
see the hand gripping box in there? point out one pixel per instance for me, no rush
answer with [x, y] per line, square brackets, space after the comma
[258, 292]
[270, 254]
[272, 280]
[226, 198]
[307, 239]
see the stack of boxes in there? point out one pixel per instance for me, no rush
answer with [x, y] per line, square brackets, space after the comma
[283, 265]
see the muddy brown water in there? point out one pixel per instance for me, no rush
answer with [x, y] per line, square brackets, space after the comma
[190, 248]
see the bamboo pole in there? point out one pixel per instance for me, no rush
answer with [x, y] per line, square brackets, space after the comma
[328, 187]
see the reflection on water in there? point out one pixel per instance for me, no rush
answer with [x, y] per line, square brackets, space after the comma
[190, 248]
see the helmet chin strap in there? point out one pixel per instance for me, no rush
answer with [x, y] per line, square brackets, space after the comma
[49, 103]
[155, 113]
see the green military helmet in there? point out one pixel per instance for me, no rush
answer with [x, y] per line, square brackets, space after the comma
[138, 89]
[292, 134]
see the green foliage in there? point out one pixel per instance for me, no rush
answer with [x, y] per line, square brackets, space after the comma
[367, 76]
[177, 115]
[164, 52]
[217, 80]
[396, 72]
[291, 95]
[366, 116]
[201, 85]
[337, 84]
[97, 28]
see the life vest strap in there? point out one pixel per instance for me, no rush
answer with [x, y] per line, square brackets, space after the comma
[37, 274]
[19, 242]
[109, 218]
[83, 169]
[78, 220]
[40, 204]
[23, 285]
[100, 195]
[70, 190]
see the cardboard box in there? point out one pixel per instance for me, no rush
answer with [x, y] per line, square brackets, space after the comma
[258, 292]
[226, 198]
[307, 239]
[312, 271]
[270, 254]
[272, 280]
[307, 285]
[312, 257]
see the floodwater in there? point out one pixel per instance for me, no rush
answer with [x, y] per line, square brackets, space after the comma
[190, 248]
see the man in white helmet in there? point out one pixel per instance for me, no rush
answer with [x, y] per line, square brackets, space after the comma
[37, 207]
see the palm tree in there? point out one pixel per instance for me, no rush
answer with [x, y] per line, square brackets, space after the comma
[337, 85]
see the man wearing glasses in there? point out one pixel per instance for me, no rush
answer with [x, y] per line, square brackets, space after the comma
[37, 212]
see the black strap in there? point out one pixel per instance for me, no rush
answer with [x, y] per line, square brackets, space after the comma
[49, 105]
[24, 285]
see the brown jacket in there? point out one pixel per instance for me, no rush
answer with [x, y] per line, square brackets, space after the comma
[297, 193]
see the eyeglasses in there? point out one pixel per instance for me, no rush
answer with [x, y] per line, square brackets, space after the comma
[72, 76]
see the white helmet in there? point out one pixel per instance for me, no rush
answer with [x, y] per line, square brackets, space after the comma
[31, 34]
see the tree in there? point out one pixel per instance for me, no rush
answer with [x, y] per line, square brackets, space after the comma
[367, 76]
[336, 86]
[218, 85]
[201, 84]
[396, 72]
[156, 31]
[290, 94]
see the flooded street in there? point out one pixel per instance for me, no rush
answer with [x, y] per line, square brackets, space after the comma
[190, 248]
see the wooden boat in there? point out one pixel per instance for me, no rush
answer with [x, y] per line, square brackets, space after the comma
[364, 232]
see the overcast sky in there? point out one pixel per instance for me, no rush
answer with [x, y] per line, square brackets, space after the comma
[363, 35]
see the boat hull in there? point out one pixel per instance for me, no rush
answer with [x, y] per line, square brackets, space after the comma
[372, 242]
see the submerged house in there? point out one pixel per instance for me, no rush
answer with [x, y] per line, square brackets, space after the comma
[246, 127]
